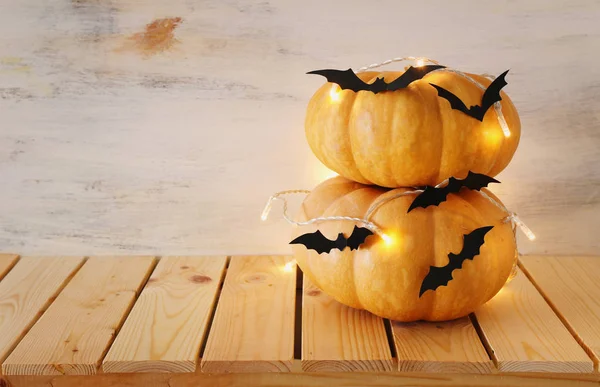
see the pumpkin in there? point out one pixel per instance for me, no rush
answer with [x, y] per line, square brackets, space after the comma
[385, 278]
[409, 137]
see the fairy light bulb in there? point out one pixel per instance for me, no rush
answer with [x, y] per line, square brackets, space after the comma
[526, 230]
[334, 93]
[419, 62]
[266, 210]
[289, 267]
[387, 239]
[503, 124]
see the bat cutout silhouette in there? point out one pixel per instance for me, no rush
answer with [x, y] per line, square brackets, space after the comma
[490, 97]
[319, 242]
[347, 79]
[440, 276]
[432, 196]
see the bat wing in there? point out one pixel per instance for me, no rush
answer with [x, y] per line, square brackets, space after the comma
[315, 241]
[455, 102]
[437, 276]
[358, 237]
[490, 96]
[477, 181]
[432, 196]
[410, 75]
[347, 79]
[472, 243]
[440, 276]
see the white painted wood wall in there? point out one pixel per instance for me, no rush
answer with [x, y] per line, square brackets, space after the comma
[105, 149]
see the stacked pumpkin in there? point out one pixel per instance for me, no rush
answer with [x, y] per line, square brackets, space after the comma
[409, 232]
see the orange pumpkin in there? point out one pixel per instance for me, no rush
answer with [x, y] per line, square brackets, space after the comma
[385, 278]
[409, 137]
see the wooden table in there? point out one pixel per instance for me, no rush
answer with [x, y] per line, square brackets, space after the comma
[254, 321]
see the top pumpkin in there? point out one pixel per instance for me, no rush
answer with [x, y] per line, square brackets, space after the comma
[409, 137]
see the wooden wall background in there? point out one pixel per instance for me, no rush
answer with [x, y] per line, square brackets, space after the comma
[119, 135]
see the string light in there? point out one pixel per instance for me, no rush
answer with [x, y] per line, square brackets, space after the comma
[387, 239]
[267, 210]
[420, 61]
[334, 93]
[501, 119]
[526, 230]
[511, 216]
[289, 267]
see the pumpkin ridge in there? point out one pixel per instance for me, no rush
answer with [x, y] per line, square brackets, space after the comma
[441, 135]
[348, 129]
[479, 218]
[352, 268]
[359, 296]
[433, 300]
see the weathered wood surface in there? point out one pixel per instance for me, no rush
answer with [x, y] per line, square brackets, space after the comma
[123, 131]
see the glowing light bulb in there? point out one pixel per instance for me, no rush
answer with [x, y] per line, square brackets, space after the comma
[334, 93]
[387, 239]
[419, 62]
[493, 137]
[289, 267]
[502, 121]
[526, 230]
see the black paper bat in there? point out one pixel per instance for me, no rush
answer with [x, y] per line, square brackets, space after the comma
[321, 244]
[440, 276]
[490, 96]
[349, 80]
[432, 196]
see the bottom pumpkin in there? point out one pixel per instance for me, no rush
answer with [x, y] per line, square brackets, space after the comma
[386, 277]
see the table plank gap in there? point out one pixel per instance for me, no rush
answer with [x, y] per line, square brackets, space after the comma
[167, 324]
[337, 338]
[78, 327]
[253, 328]
[213, 311]
[525, 334]
[7, 262]
[570, 286]
[27, 291]
[440, 347]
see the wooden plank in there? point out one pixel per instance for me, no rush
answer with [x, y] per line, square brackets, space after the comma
[449, 347]
[338, 338]
[76, 330]
[571, 286]
[253, 329]
[525, 335]
[167, 325]
[306, 379]
[7, 261]
[25, 293]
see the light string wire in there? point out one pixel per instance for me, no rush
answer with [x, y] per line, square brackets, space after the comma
[510, 216]
[420, 61]
[280, 196]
